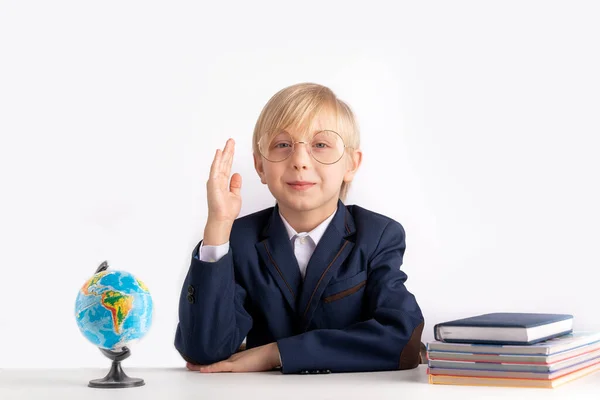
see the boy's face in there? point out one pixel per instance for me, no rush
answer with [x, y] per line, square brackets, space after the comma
[324, 180]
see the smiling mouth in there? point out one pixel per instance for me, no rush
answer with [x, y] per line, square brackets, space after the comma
[301, 185]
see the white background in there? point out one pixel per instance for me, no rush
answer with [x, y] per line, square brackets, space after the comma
[479, 127]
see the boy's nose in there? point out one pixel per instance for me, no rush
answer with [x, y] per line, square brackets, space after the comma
[301, 157]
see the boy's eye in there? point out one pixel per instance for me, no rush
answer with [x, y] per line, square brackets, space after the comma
[281, 145]
[320, 145]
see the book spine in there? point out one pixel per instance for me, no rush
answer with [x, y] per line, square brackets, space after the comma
[436, 332]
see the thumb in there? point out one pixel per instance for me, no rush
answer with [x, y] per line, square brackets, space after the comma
[236, 184]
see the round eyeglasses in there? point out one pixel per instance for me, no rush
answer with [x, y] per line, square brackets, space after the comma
[326, 146]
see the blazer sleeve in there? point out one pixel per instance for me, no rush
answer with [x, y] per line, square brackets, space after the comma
[213, 316]
[389, 340]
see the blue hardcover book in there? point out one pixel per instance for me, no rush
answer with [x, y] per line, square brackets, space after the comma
[505, 328]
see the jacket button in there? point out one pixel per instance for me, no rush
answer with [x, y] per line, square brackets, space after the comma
[190, 289]
[190, 298]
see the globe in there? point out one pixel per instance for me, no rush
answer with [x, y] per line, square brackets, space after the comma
[113, 309]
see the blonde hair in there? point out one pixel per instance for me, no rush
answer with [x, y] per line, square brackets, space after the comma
[297, 106]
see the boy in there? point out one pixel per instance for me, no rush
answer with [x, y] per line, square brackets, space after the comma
[312, 284]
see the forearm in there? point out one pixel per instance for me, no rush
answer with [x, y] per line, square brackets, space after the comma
[212, 319]
[216, 232]
[389, 342]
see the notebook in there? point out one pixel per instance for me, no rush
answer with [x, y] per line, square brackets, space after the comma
[487, 373]
[514, 358]
[514, 366]
[547, 347]
[489, 381]
[505, 328]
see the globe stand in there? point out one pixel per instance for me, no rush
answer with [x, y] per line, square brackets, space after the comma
[116, 377]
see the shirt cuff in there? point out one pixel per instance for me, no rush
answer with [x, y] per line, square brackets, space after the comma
[213, 253]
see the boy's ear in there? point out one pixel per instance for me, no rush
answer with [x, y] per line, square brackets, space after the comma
[354, 160]
[258, 166]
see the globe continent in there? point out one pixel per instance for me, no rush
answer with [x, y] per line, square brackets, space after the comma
[113, 309]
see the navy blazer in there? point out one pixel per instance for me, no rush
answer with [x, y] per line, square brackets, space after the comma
[351, 312]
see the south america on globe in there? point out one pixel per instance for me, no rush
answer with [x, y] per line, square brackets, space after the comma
[113, 309]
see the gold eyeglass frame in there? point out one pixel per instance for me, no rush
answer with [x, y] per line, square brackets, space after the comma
[309, 150]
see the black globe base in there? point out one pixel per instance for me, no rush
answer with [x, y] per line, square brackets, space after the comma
[116, 377]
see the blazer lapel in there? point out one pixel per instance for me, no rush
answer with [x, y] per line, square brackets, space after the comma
[277, 253]
[333, 248]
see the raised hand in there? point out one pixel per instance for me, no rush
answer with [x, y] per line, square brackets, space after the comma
[224, 197]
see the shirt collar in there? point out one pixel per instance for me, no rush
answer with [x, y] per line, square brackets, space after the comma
[316, 234]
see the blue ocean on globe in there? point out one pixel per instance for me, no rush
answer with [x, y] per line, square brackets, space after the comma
[113, 309]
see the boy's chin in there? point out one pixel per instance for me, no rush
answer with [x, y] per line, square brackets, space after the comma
[298, 202]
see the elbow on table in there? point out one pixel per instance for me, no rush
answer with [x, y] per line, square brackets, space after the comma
[413, 351]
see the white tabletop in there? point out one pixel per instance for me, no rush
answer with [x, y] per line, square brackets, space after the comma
[179, 383]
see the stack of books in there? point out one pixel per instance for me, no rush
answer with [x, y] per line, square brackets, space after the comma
[511, 349]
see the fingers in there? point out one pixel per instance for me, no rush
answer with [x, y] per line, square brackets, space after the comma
[227, 157]
[222, 366]
[215, 166]
[194, 367]
[236, 184]
[221, 165]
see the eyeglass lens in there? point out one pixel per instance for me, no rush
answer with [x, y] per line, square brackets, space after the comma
[326, 146]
